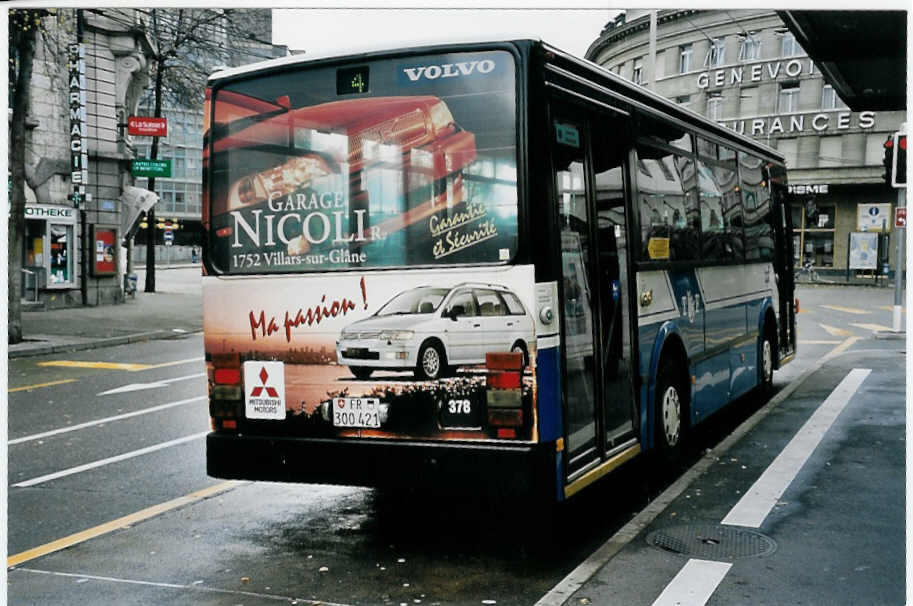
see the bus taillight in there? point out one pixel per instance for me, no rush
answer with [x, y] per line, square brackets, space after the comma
[504, 393]
[225, 391]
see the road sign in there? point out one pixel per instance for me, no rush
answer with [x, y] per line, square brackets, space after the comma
[900, 217]
[169, 237]
[150, 168]
[148, 127]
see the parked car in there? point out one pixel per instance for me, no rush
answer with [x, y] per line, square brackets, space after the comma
[431, 330]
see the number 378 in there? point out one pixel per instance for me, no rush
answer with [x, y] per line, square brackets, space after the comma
[459, 407]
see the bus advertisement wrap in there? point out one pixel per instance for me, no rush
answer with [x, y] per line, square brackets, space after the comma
[396, 354]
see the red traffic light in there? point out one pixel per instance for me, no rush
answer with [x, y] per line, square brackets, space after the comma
[902, 142]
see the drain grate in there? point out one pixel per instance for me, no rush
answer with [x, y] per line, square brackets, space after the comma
[713, 541]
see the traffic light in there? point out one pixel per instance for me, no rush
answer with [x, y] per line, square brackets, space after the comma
[900, 160]
[888, 160]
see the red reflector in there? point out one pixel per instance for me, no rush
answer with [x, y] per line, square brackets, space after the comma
[508, 360]
[505, 417]
[227, 376]
[504, 380]
[507, 432]
[229, 424]
[797, 304]
[224, 232]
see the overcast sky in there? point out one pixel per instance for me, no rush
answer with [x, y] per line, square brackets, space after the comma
[331, 31]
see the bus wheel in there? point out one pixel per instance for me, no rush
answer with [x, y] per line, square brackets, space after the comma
[767, 363]
[361, 372]
[431, 361]
[671, 411]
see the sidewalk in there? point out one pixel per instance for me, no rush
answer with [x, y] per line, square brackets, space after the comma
[174, 309]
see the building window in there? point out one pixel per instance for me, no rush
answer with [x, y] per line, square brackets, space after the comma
[683, 100]
[830, 100]
[715, 106]
[789, 47]
[748, 101]
[638, 75]
[716, 56]
[789, 98]
[686, 57]
[813, 226]
[750, 49]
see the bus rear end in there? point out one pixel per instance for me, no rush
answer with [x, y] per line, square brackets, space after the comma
[366, 319]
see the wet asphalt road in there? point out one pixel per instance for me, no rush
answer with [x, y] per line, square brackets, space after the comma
[263, 543]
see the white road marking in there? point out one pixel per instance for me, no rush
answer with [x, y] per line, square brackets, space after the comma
[126, 415]
[109, 460]
[182, 587]
[694, 584]
[761, 498]
[151, 385]
[561, 592]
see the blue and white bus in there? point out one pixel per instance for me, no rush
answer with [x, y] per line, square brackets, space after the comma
[486, 267]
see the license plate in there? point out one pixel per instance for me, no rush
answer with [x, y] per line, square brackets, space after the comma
[356, 412]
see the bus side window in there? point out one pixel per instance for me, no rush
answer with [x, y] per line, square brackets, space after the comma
[669, 217]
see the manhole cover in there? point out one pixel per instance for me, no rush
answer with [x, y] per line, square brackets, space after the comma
[712, 541]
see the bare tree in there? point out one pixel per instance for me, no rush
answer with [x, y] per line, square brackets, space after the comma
[189, 44]
[24, 25]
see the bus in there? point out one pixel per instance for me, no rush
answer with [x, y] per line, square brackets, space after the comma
[479, 268]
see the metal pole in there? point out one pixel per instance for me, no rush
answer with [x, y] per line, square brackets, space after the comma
[899, 263]
[651, 62]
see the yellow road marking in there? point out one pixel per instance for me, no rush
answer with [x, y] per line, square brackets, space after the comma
[891, 308]
[119, 523]
[835, 332]
[849, 310]
[37, 385]
[175, 363]
[872, 327]
[802, 342]
[98, 365]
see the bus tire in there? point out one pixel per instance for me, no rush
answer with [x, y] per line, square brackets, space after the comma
[766, 365]
[361, 372]
[432, 361]
[671, 411]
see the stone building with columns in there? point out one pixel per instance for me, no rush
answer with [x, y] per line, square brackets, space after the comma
[744, 69]
[76, 144]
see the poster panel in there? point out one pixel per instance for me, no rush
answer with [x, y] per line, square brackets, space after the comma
[105, 260]
[863, 250]
[381, 354]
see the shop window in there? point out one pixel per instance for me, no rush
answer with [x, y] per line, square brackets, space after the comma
[814, 226]
[60, 243]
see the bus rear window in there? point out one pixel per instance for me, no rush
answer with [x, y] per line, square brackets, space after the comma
[411, 163]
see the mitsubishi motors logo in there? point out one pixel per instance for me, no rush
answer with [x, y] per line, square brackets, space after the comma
[264, 383]
[259, 389]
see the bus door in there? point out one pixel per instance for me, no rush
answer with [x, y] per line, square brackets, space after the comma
[598, 402]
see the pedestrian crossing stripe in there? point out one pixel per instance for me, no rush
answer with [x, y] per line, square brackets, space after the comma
[96, 365]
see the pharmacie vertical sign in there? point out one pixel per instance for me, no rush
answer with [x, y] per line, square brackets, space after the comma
[79, 155]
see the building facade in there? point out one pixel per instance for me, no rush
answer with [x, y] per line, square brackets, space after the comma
[180, 195]
[88, 74]
[744, 69]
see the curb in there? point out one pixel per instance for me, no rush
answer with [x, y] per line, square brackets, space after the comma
[94, 344]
